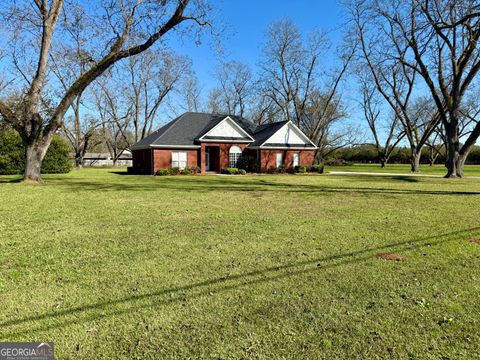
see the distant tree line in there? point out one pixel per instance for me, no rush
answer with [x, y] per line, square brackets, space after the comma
[368, 154]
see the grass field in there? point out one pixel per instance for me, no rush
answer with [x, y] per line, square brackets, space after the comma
[470, 170]
[275, 266]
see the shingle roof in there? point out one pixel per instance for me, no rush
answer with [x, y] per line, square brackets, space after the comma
[185, 129]
[189, 127]
[244, 123]
[154, 137]
[263, 132]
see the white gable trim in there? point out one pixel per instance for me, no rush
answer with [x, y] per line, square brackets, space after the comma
[283, 148]
[301, 133]
[245, 141]
[235, 125]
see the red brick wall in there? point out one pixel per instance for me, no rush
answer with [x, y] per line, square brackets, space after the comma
[268, 158]
[307, 157]
[142, 161]
[224, 152]
[162, 158]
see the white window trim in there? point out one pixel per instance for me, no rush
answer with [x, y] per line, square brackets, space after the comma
[276, 159]
[297, 156]
[237, 157]
[179, 163]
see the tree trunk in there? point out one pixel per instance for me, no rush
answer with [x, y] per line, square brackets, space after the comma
[433, 156]
[466, 149]
[453, 147]
[415, 161]
[34, 154]
[460, 164]
[79, 159]
[115, 157]
[383, 162]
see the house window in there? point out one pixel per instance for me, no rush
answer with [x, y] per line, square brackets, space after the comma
[296, 159]
[179, 160]
[279, 159]
[234, 156]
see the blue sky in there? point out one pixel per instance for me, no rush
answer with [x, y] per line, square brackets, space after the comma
[246, 22]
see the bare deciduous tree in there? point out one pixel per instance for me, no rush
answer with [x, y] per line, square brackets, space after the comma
[263, 109]
[133, 27]
[394, 80]
[380, 122]
[290, 68]
[69, 61]
[435, 144]
[324, 110]
[153, 76]
[294, 87]
[190, 93]
[439, 41]
[116, 117]
[234, 90]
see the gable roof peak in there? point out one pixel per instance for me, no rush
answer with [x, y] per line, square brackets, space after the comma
[227, 128]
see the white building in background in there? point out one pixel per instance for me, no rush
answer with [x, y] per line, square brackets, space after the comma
[105, 159]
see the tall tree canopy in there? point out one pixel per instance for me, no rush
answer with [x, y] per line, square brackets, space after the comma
[432, 40]
[38, 28]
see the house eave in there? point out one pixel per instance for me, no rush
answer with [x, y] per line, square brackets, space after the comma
[166, 147]
[244, 141]
[282, 148]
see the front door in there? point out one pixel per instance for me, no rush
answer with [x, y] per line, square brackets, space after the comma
[212, 158]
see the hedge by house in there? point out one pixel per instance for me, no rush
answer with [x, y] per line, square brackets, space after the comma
[12, 155]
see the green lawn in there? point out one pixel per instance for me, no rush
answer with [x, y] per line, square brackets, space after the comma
[278, 266]
[470, 170]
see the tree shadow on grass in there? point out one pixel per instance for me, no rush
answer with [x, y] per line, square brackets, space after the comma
[381, 178]
[409, 179]
[133, 303]
[9, 180]
[228, 184]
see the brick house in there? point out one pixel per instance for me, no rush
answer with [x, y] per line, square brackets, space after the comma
[213, 142]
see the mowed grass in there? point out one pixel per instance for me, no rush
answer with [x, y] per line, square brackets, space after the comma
[275, 266]
[440, 170]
